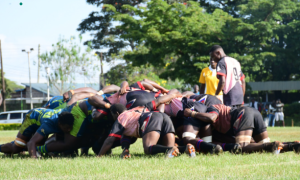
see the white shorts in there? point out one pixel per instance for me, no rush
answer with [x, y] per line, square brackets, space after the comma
[279, 116]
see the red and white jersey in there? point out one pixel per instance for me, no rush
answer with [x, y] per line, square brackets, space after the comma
[174, 107]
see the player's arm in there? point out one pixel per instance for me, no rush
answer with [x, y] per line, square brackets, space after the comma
[115, 134]
[109, 89]
[188, 94]
[80, 96]
[97, 101]
[155, 85]
[163, 99]
[123, 87]
[242, 79]
[31, 145]
[202, 82]
[69, 142]
[108, 143]
[202, 88]
[71, 93]
[221, 84]
[205, 117]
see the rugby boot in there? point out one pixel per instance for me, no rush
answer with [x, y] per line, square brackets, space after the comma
[190, 150]
[274, 147]
[217, 149]
[125, 154]
[172, 152]
[236, 149]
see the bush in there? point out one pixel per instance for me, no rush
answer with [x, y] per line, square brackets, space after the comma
[10, 126]
[292, 109]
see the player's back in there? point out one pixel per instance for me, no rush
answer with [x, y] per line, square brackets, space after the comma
[206, 99]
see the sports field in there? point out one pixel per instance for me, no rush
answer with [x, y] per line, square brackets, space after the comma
[225, 166]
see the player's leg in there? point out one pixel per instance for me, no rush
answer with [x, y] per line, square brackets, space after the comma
[152, 126]
[189, 137]
[18, 146]
[205, 133]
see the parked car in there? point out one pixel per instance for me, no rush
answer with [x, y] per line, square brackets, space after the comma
[12, 116]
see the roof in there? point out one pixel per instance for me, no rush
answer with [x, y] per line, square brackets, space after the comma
[274, 85]
[18, 111]
[42, 87]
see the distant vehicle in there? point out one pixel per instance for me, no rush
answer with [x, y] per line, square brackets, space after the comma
[12, 116]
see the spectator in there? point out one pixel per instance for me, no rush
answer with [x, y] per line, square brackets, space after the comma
[254, 103]
[209, 81]
[279, 113]
[196, 89]
[271, 114]
[264, 113]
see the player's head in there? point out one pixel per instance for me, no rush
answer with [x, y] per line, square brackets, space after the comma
[196, 88]
[116, 110]
[213, 63]
[216, 53]
[65, 122]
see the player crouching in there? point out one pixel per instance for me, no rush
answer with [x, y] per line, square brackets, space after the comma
[155, 129]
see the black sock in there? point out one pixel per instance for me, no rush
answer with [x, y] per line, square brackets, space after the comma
[179, 142]
[181, 149]
[204, 146]
[228, 146]
[158, 149]
[125, 143]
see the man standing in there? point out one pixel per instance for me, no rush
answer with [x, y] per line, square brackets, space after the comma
[231, 77]
[279, 112]
[254, 104]
[209, 81]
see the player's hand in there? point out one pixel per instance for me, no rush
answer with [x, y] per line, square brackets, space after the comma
[65, 96]
[164, 91]
[187, 112]
[122, 91]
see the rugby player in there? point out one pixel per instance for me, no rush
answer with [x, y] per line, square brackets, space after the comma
[151, 126]
[231, 77]
[36, 126]
[243, 123]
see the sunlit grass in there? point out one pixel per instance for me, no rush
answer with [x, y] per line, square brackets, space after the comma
[140, 166]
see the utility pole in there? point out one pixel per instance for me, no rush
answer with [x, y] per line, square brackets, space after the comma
[28, 52]
[102, 83]
[3, 82]
[39, 65]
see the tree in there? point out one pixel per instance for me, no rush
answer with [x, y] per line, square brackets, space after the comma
[66, 61]
[102, 27]
[181, 34]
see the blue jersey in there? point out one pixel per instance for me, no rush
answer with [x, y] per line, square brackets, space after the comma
[42, 121]
[56, 102]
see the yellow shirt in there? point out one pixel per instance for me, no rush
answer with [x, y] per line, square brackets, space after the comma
[208, 77]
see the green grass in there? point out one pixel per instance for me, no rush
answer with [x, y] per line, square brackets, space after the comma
[140, 166]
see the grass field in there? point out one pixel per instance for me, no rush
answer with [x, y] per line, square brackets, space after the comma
[140, 166]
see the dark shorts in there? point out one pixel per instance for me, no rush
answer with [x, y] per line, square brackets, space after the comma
[247, 118]
[155, 121]
[194, 122]
[29, 126]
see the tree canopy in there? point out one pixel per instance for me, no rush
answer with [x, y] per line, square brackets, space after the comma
[175, 37]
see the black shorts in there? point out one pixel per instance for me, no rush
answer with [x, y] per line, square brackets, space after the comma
[155, 121]
[194, 122]
[247, 118]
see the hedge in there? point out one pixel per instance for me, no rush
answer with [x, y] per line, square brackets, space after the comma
[10, 126]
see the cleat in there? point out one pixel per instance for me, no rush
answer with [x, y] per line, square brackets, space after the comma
[296, 148]
[172, 152]
[276, 147]
[237, 149]
[216, 150]
[125, 154]
[190, 150]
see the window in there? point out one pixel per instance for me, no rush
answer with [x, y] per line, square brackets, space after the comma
[3, 117]
[15, 116]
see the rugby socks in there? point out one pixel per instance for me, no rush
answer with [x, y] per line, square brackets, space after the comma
[125, 142]
[42, 149]
[155, 149]
[227, 146]
[202, 146]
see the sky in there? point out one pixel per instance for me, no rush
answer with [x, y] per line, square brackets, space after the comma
[38, 22]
